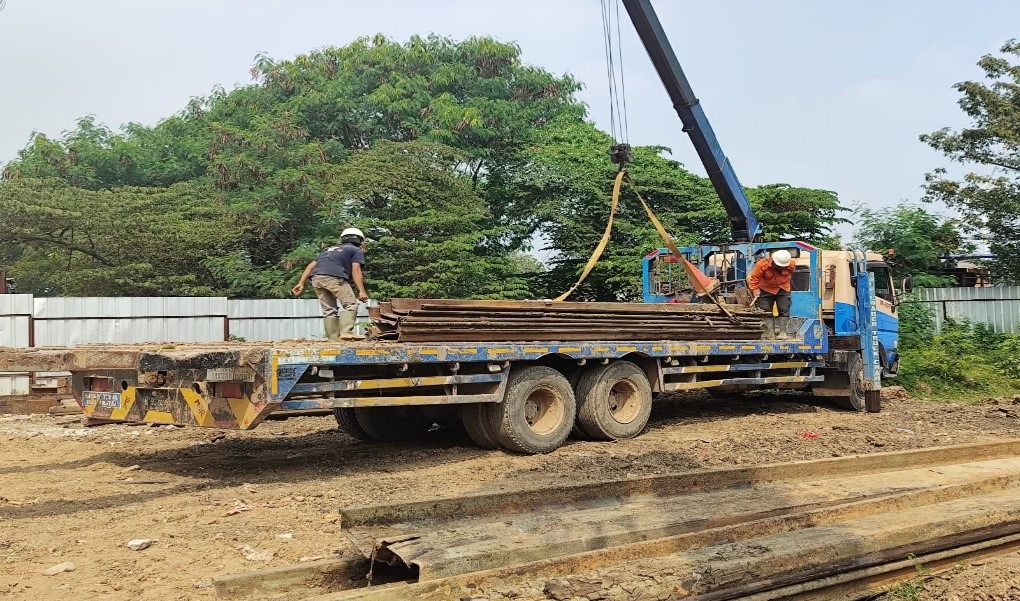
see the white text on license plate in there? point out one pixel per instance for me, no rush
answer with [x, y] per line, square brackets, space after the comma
[102, 400]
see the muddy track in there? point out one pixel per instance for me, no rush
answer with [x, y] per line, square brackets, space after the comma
[78, 495]
[715, 534]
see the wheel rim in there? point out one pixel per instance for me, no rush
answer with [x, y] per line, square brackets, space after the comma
[543, 411]
[857, 386]
[624, 401]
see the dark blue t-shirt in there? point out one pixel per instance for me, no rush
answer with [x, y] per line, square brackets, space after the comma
[336, 261]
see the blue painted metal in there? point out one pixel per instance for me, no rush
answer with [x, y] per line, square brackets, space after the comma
[845, 319]
[867, 320]
[805, 303]
[686, 369]
[389, 401]
[291, 363]
[888, 334]
[393, 383]
[743, 224]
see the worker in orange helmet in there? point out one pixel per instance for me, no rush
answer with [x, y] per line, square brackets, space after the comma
[770, 284]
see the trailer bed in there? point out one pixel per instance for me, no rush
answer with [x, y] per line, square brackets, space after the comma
[238, 384]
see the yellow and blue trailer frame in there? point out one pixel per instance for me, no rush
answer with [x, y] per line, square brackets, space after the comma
[237, 389]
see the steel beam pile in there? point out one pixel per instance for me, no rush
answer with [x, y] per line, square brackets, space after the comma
[444, 320]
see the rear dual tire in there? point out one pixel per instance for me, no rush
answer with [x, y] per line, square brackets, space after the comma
[535, 416]
[614, 401]
[347, 420]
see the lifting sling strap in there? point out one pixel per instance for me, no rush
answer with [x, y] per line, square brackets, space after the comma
[622, 176]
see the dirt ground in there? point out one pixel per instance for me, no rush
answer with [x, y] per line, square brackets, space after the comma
[218, 502]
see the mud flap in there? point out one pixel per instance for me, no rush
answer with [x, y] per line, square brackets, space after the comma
[873, 401]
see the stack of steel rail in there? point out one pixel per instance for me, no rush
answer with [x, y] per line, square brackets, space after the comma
[446, 320]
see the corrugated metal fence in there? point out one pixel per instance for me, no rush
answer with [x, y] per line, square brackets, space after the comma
[997, 306]
[15, 331]
[26, 321]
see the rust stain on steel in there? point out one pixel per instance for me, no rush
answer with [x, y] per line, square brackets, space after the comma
[773, 551]
[433, 320]
[461, 546]
[708, 479]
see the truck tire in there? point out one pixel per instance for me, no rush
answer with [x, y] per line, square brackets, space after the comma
[348, 422]
[537, 412]
[614, 402]
[477, 423]
[855, 400]
[388, 424]
[576, 432]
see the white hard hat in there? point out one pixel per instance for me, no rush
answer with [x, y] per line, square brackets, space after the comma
[352, 231]
[781, 258]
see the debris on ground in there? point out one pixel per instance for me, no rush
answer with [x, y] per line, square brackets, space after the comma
[138, 544]
[65, 566]
[66, 486]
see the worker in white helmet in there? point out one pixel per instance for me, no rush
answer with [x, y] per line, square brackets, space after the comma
[332, 273]
[770, 284]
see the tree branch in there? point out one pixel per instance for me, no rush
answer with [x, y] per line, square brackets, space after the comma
[69, 246]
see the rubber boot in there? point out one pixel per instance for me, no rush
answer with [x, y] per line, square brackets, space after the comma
[770, 328]
[784, 326]
[347, 319]
[332, 327]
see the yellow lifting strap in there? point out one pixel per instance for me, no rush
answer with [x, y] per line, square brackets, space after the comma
[597, 253]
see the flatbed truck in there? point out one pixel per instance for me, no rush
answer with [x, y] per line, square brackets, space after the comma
[527, 397]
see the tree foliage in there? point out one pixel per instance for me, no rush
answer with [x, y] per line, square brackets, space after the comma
[429, 228]
[128, 241]
[452, 155]
[568, 166]
[273, 151]
[918, 241]
[989, 201]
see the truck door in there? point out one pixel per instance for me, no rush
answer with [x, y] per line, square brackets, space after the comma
[885, 303]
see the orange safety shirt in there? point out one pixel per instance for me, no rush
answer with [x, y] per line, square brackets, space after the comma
[769, 277]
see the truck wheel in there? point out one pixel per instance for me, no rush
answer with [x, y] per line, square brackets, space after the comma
[388, 424]
[537, 412]
[348, 422]
[576, 432]
[614, 402]
[477, 423]
[855, 370]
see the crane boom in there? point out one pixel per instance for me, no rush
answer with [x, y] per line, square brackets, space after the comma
[743, 224]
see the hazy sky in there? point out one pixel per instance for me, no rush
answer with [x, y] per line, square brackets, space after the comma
[813, 93]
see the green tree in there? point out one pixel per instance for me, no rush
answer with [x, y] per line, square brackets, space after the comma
[127, 241]
[792, 213]
[427, 225]
[568, 167]
[272, 151]
[917, 238]
[989, 202]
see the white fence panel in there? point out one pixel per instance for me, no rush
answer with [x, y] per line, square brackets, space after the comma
[14, 383]
[282, 319]
[279, 319]
[16, 332]
[15, 320]
[91, 320]
[997, 306]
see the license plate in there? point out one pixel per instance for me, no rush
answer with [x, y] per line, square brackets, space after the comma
[229, 374]
[101, 400]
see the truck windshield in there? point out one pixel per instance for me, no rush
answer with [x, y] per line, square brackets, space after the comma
[883, 281]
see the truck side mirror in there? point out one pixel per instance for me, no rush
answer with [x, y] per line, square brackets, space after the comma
[907, 285]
